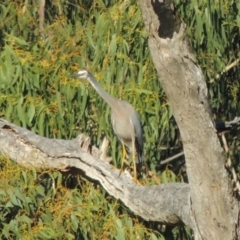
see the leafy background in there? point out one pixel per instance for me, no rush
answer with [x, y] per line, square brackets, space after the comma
[108, 38]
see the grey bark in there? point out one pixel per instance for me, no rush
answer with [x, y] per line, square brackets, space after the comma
[214, 211]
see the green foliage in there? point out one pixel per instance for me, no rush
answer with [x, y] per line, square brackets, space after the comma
[37, 92]
[39, 206]
[109, 39]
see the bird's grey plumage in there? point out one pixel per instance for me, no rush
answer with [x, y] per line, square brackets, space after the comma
[128, 128]
[125, 120]
[138, 136]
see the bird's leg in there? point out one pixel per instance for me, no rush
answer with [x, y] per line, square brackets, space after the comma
[124, 154]
[134, 162]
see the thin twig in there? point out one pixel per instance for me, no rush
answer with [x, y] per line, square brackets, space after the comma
[227, 68]
[172, 158]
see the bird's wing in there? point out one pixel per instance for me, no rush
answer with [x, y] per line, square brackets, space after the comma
[135, 120]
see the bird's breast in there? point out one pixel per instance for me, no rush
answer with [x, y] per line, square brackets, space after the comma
[122, 127]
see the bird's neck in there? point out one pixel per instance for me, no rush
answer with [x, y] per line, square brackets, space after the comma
[103, 94]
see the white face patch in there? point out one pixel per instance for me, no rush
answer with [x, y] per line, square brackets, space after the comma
[82, 74]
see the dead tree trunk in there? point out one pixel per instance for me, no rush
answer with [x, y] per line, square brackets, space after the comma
[214, 211]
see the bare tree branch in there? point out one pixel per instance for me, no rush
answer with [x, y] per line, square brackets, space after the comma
[170, 159]
[166, 203]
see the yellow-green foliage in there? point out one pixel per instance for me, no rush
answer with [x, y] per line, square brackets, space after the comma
[37, 92]
[38, 206]
[109, 39]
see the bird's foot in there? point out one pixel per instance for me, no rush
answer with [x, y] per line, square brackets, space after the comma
[137, 182]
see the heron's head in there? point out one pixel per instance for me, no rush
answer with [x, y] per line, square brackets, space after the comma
[81, 74]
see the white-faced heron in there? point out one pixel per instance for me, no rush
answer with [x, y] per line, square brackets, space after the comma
[125, 122]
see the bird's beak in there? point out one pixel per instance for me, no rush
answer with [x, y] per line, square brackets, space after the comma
[76, 75]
